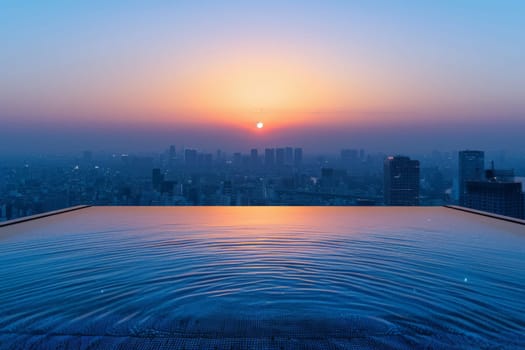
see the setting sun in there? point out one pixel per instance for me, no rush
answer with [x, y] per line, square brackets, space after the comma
[260, 125]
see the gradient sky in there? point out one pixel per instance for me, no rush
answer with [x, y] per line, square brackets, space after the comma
[95, 74]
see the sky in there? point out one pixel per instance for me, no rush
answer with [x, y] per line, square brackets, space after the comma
[383, 75]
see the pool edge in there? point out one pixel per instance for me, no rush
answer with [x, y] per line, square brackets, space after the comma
[42, 215]
[487, 214]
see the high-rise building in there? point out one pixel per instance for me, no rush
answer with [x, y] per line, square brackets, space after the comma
[279, 157]
[298, 156]
[172, 156]
[503, 198]
[471, 168]
[498, 193]
[254, 157]
[190, 157]
[172, 152]
[269, 157]
[157, 178]
[401, 181]
[288, 155]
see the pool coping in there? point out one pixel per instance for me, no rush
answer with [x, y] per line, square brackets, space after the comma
[78, 207]
[487, 214]
[42, 215]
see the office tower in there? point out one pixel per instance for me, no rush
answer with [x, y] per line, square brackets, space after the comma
[279, 157]
[172, 156]
[288, 156]
[401, 181]
[254, 157]
[327, 178]
[471, 168]
[269, 157]
[503, 198]
[298, 156]
[190, 157]
[497, 193]
[157, 178]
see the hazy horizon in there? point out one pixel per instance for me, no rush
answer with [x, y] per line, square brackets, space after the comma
[380, 75]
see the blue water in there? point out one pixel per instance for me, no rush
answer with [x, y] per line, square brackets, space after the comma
[263, 277]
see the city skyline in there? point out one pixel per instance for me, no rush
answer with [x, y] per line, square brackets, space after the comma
[383, 75]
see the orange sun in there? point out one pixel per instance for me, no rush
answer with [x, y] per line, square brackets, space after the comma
[260, 125]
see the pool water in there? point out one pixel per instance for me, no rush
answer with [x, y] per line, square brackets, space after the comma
[263, 277]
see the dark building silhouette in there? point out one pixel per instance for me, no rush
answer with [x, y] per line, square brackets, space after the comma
[401, 186]
[237, 159]
[279, 157]
[269, 157]
[503, 198]
[471, 168]
[190, 157]
[298, 156]
[497, 193]
[288, 156]
[157, 178]
[254, 157]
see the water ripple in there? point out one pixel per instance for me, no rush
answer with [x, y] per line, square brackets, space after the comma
[416, 282]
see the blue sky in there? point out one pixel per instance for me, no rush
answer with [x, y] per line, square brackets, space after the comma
[209, 64]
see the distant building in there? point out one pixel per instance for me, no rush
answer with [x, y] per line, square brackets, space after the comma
[497, 193]
[157, 178]
[269, 157]
[471, 168]
[254, 157]
[237, 159]
[279, 157]
[298, 156]
[288, 155]
[401, 186]
[503, 198]
[190, 157]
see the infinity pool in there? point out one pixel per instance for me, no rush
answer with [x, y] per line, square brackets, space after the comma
[262, 277]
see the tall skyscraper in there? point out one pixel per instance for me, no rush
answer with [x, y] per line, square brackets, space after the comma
[503, 198]
[269, 157]
[471, 168]
[156, 178]
[497, 193]
[190, 157]
[279, 157]
[172, 156]
[288, 157]
[298, 156]
[254, 157]
[401, 181]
